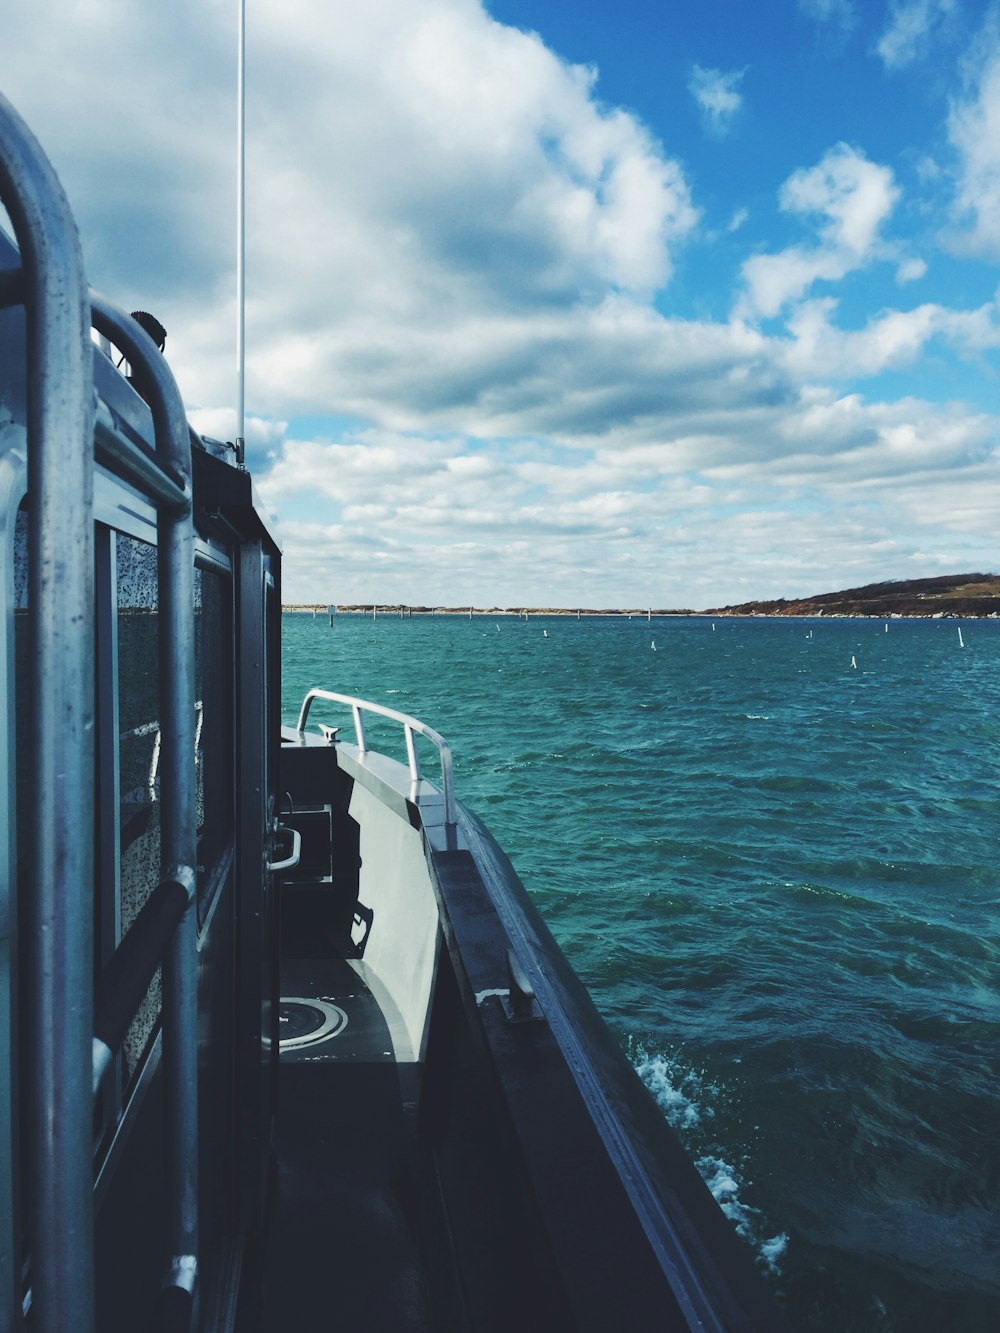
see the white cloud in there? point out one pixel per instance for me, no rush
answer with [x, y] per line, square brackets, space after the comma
[852, 197]
[974, 132]
[911, 270]
[889, 340]
[928, 170]
[839, 13]
[718, 97]
[408, 170]
[453, 252]
[911, 26]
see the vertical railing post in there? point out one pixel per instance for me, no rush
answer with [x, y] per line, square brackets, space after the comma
[411, 753]
[58, 908]
[359, 728]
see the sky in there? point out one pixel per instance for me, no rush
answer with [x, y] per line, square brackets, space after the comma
[645, 304]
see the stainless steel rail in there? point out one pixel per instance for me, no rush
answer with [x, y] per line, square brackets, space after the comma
[65, 1054]
[59, 931]
[411, 727]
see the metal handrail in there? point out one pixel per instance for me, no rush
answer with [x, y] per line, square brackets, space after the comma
[411, 727]
[58, 932]
[66, 1046]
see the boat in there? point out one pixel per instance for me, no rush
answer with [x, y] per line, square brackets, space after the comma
[285, 1044]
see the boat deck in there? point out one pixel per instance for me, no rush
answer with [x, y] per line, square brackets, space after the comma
[341, 1251]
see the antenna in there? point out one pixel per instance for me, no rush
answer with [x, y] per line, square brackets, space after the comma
[241, 132]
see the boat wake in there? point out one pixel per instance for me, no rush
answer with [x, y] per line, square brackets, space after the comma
[685, 1096]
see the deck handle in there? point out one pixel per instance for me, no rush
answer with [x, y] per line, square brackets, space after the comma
[292, 860]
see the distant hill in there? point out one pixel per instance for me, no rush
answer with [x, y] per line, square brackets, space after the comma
[945, 595]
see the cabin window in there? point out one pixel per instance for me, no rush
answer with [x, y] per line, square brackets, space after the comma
[21, 559]
[138, 675]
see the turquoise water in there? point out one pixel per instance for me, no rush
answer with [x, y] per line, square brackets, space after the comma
[778, 874]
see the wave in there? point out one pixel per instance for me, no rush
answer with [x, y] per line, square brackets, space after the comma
[686, 1096]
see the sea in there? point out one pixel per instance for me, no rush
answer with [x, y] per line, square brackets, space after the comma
[769, 847]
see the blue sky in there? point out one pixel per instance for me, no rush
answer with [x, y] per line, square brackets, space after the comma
[562, 304]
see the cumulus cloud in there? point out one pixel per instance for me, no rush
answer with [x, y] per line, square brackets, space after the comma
[407, 170]
[851, 197]
[910, 29]
[889, 340]
[823, 488]
[718, 97]
[464, 375]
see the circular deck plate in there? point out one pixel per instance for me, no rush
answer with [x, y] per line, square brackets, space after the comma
[306, 1022]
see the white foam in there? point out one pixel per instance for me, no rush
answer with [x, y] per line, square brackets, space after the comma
[676, 1090]
[725, 1182]
[685, 1096]
[772, 1250]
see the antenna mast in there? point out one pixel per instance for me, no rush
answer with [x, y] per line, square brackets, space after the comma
[241, 233]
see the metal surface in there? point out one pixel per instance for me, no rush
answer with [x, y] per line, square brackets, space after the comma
[61, 596]
[12, 487]
[241, 121]
[125, 980]
[411, 727]
[257, 977]
[292, 860]
[130, 461]
[175, 584]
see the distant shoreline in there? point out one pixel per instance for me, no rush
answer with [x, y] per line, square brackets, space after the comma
[508, 611]
[406, 612]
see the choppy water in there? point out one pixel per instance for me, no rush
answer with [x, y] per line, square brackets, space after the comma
[779, 876]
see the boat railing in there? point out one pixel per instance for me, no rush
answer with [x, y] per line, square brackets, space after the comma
[412, 727]
[73, 1043]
